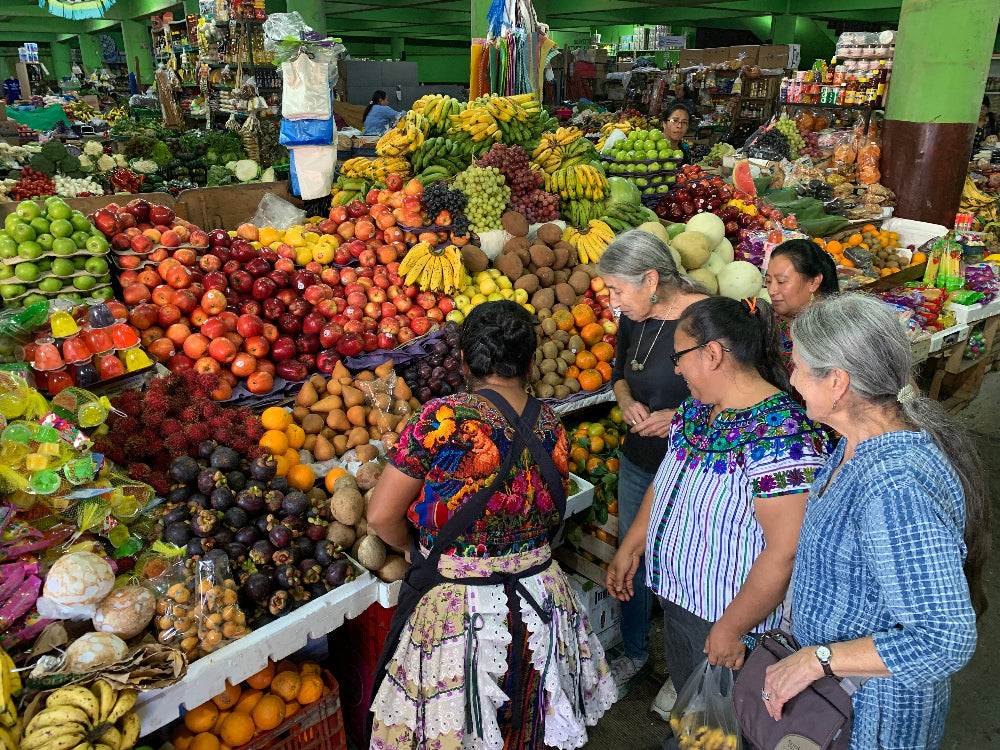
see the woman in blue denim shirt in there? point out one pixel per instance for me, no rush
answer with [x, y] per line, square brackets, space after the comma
[888, 574]
[379, 116]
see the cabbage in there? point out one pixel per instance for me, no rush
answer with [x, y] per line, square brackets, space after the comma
[246, 170]
[623, 191]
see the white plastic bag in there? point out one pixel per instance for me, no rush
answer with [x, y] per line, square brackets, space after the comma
[616, 135]
[306, 89]
[314, 167]
[276, 212]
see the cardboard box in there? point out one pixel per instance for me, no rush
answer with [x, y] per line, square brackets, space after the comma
[775, 56]
[603, 610]
[715, 55]
[688, 58]
[600, 56]
[749, 54]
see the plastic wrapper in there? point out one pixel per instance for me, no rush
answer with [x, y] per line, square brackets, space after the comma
[703, 716]
[307, 132]
[276, 212]
[305, 89]
[312, 170]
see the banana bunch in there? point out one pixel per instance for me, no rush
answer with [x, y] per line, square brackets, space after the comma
[477, 124]
[589, 241]
[433, 269]
[83, 111]
[117, 114]
[438, 159]
[976, 202]
[623, 216]
[550, 156]
[10, 687]
[406, 137]
[80, 718]
[376, 169]
[578, 212]
[347, 189]
[577, 181]
[437, 109]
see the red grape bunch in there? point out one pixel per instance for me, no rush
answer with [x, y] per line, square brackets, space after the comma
[526, 195]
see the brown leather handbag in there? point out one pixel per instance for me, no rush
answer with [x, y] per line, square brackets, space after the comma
[818, 718]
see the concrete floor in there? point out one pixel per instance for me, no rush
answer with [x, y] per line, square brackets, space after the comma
[974, 719]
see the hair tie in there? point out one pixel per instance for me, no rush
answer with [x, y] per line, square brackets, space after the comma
[751, 304]
[906, 394]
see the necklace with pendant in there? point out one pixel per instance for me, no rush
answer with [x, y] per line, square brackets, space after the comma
[640, 366]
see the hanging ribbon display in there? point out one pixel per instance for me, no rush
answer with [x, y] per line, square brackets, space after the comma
[511, 60]
[76, 9]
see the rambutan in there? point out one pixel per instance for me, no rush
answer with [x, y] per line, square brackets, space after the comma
[129, 402]
[209, 409]
[197, 432]
[256, 451]
[223, 435]
[154, 446]
[154, 420]
[159, 483]
[219, 420]
[134, 447]
[176, 444]
[241, 445]
[156, 402]
[139, 471]
[190, 414]
[170, 427]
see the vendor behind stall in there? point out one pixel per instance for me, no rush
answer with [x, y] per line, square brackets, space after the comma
[379, 116]
[676, 121]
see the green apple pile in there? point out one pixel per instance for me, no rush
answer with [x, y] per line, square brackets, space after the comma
[51, 251]
[640, 156]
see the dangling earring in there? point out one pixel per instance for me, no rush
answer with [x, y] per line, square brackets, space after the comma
[812, 297]
[834, 403]
[653, 299]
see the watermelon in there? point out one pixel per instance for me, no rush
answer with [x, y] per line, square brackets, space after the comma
[743, 179]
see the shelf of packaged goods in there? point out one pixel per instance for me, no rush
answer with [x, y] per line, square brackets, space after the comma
[831, 106]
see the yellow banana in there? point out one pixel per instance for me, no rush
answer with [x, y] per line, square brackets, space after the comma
[106, 697]
[112, 738]
[64, 737]
[56, 716]
[124, 704]
[79, 696]
[130, 726]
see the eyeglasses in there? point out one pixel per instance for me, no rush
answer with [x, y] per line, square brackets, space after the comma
[679, 122]
[676, 356]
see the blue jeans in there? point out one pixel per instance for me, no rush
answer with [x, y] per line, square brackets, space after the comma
[636, 612]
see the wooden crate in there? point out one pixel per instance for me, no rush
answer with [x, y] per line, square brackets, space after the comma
[962, 377]
[602, 551]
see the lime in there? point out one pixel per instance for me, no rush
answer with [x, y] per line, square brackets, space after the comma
[29, 250]
[23, 232]
[28, 210]
[62, 267]
[58, 210]
[40, 224]
[27, 272]
[64, 246]
[50, 284]
[84, 283]
[61, 228]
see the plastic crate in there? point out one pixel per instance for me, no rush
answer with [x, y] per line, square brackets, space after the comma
[361, 641]
[368, 632]
[319, 726]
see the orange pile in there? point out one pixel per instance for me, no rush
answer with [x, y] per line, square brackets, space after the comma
[592, 368]
[869, 238]
[242, 712]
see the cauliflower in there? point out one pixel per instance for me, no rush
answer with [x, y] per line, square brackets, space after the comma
[120, 160]
[106, 163]
[85, 163]
[93, 148]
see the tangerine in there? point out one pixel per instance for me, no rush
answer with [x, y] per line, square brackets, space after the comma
[310, 689]
[310, 667]
[262, 679]
[238, 729]
[578, 454]
[181, 737]
[603, 351]
[572, 372]
[597, 444]
[918, 258]
[605, 369]
[590, 380]
[855, 239]
[204, 741]
[274, 442]
[292, 708]
[834, 248]
[582, 315]
[283, 465]
[229, 697]
[563, 320]
[217, 726]
[332, 476]
[613, 465]
[248, 700]
[286, 684]
[301, 477]
[591, 333]
[593, 464]
[268, 713]
[296, 436]
[275, 418]
[585, 359]
[201, 718]
[293, 457]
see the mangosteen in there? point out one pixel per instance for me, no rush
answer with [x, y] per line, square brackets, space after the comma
[279, 603]
[236, 480]
[258, 587]
[222, 498]
[247, 534]
[304, 546]
[256, 484]
[288, 576]
[194, 547]
[223, 536]
[295, 524]
[206, 448]
[224, 458]
[300, 596]
[317, 589]
[278, 483]
[260, 552]
[316, 531]
[295, 503]
[336, 573]
[311, 570]
[175, 515]
[177, 533]
[252, 501]
[184, 469]
[235, 518]
[273, 500]
[325, 552]
[264, 468]
[209, 479]
[264, 619]
[263, 525]
[204, 523]
[236, 552]
[218, 557]
[198, 500]
[286, 556]
[178, 494]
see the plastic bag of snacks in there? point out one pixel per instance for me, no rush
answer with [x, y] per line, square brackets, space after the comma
[703, 716]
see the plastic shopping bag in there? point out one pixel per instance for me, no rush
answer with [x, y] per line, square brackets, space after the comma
[703, 716]
[313, 168]
[306, 132]
[306, 89]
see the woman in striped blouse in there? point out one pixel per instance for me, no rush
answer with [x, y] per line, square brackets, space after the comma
[720, 523]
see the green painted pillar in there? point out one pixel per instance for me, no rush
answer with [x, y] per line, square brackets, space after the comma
[191, 7]
[138, 43]
[934, 98]
[783, 29]
[312, 13]
[90, 52]
[396, 47]
[61, 65]
[480, 9]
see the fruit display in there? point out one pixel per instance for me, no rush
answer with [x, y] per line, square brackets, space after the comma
[706, 255]
[89, 718]
[646, 158]
[575, 183]
[436, 269]
[541, 270]
[565, 147]
[50, 251]
[438, 109]
[437, 373]
[526, 195]
[10, 691]
[487, 196]
[376, 169]
[591, 240]
[578, 345]
[882, 244]
[438, 158]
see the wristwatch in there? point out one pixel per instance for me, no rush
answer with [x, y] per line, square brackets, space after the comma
[823, 653]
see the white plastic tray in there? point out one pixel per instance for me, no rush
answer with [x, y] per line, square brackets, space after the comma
[207, 676]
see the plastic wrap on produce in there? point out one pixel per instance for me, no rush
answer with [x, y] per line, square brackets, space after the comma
[411, 350]
[581, 400]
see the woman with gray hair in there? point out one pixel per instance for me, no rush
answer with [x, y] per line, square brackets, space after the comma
[650, 295]
[893, 519]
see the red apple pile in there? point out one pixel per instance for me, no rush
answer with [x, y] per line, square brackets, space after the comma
[143, 231]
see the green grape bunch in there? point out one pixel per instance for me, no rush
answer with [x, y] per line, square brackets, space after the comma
[790, 130]
[488, 196]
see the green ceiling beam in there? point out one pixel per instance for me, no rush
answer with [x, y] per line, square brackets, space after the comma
[16, 39]
[428, 19]
[55, 26]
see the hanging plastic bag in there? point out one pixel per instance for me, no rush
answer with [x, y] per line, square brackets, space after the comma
[869, 157]
[306, 89]
[313, 167]
[703, 716]
[306, 132]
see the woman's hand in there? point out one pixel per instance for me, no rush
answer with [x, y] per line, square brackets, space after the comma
[656, 424]
[789, 677]
[621, 571]
[634, 413]
[724, 647]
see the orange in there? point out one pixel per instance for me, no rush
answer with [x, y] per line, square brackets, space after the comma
[286, 685]
[582, 315]
[181, 737]
[296, 436]
[217, 726]
[590, 380]
[204, 741]
[572, 371]
[595, 428]
[293, 457]
[301, 477]
[597, 444]
[275, 418]
[310, 690]
[868, 229]
[238, 729]
[248, 700]
[593, 464]
[564, 319]
[578, 454]
[818, 241]
[846, 263]
[834, 248]
[310, 667]
[262, 679]
[854, 239]
[591, 333]
[283, 465]
[285, 665]
[605, 369]
[613, 507]
[918, 258]
[585, 359]
[269, 712]
[292, 708]
[227, 698]
[613, 465]
[275, 442]
[201, 718]
[603, 351]
[332, 476]
[267, 235]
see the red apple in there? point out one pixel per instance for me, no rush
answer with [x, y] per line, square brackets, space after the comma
[405, 334]
[258, 346]
[214, 328]
[283, 348]
[421, 325]
[249, 325]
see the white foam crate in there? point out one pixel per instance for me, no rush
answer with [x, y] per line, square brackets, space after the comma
[581, 500]
[974, 313]
[388, 593]
[207, 676]
[948, 336]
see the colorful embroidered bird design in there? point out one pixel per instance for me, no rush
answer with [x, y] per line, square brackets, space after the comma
[483, 458]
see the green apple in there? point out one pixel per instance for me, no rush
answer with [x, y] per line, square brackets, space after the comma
[671, 178]
[79, 262]
[63, 267]
[654, 167]
[678, 154]
[50, 284]
[44, 264]
[655, 135]
[32, 299]
[80, 222]
[84, 283]
[105, 279]
[633, 135]
[97, 244]
[669, 165]
[12, 290]
[105, 293]
[61, 228]
[29, 250]
[96, 266]
[45, 240]
[58, 210]
[40, 224]
[641, 182]
[80, 238]
[73, 296]
[6, 272]
[64, 246]
[652, 154]
[630, 156]
[23, 232]
[28, 210]
[8, 249]
[10, 221]
[27, 272]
